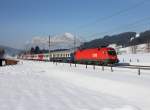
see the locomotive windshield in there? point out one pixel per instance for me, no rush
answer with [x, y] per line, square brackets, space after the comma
[111, 52]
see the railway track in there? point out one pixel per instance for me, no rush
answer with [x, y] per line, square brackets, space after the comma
[120, 65]
[126, 66]
[133, 67]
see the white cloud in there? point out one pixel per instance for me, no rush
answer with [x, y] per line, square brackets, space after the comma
[65, 40]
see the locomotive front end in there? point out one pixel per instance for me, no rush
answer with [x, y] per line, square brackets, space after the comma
[112, 56]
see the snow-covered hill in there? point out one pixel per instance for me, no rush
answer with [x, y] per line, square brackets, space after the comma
[9, 51]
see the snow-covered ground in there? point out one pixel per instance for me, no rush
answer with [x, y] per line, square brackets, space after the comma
[142, 59]
[46, 86]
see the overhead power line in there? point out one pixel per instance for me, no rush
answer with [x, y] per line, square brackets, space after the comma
[123, 26]
[114, 14]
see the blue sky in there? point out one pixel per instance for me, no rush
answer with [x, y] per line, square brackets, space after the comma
[20, 20]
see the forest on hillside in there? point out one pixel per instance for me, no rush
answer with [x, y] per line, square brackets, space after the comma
[124, 39]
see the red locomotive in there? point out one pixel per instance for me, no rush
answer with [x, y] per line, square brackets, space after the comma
[100, 56]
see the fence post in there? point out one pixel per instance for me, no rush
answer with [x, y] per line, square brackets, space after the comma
[56, 63]
[75, 64]
[111, 69]
[94, 67]
[139, 72]
[102, 68]
[70, 64]
[86, 65]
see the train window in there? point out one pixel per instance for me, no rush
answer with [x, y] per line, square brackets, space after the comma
[111, 52]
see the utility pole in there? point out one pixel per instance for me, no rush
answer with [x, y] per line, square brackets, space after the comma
[49, 48]
[148, 46]
[74, 43]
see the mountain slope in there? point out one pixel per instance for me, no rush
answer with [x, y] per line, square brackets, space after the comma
[119, 39]
[10, 51]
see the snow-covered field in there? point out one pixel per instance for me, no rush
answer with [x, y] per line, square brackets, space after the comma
[46, 86]
[142, 59]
